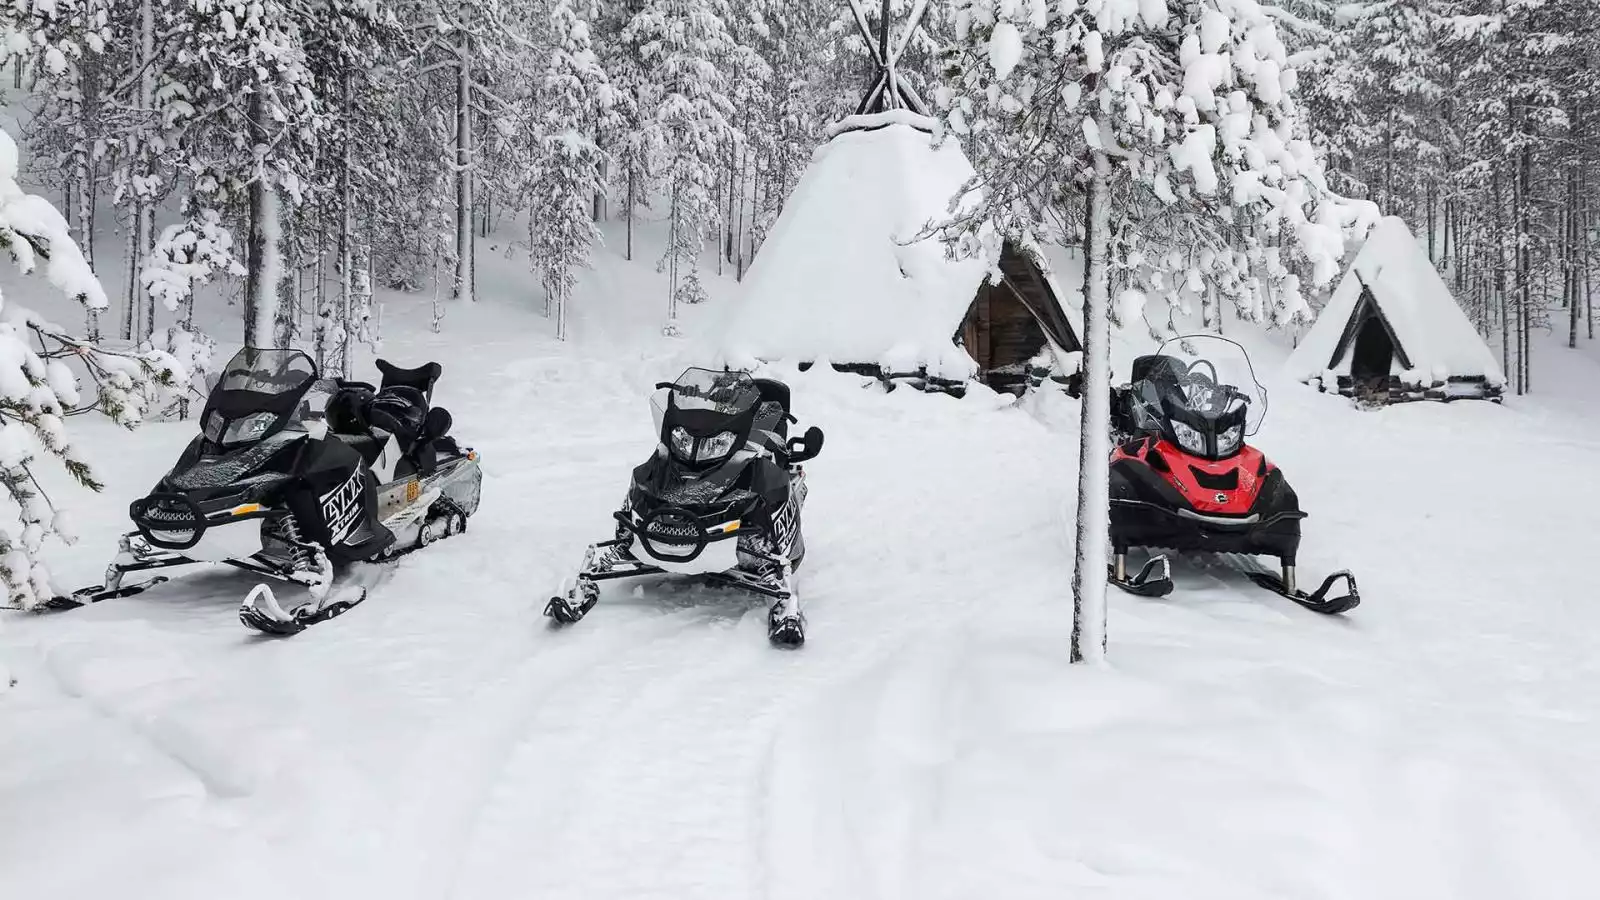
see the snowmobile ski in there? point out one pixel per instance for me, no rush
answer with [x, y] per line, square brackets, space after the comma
[1320, 600]
[1147, 583]
[97, 593]
[720, 499]
[262, 612]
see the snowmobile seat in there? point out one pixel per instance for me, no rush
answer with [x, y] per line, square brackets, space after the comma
[421, 378]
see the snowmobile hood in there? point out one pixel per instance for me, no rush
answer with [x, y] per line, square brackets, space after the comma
[253, 464]
[667, 480]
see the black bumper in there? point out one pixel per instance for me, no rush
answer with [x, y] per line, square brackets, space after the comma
[1147, 512]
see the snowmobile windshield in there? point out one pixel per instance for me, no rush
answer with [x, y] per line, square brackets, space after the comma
[257, 395]
[1190, 391]
[708, 415]
[1215, 378]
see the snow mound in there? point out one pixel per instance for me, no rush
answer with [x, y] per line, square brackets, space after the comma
[843, 275]
[1429, 324]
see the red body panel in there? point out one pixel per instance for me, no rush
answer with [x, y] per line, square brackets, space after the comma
[1249, 463]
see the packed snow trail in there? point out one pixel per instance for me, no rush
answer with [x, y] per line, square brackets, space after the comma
[442, 741]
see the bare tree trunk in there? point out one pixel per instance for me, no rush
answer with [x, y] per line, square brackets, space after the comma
[261, 289]
[627, 253]
[1500, 280]
[1569, 285]
[1433, 256]
[672, 257]
[464, 181]
[346, 260]
[130, 286]
[562, 288]
[1094, 515]
[1525, 268]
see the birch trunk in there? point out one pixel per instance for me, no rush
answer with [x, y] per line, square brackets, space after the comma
[1094, 450]
[261, 291]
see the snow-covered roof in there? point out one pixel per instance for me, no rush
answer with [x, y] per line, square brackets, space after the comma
[833, 281]
[1427, 322]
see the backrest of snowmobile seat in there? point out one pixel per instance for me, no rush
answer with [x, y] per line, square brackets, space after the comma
[437, 424]
[773, 391]
[422, 378]
[1143, 366]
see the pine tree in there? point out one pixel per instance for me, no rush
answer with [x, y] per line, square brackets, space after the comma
[42, 389]
[684, 44]
[575, 101]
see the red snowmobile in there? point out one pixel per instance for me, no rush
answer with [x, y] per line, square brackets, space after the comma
[1184, 478]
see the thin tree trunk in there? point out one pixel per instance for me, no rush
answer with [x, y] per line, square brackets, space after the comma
[464, 181]
[1525, 265]
[1433, 256]
[1500, 280]
[346, 260]
[1569, 287]
[627, 253]
[1094, 516]
[130, 285]
[672, 257]
[561, 309]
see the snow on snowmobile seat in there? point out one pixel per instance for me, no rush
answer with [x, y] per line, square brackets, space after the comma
[422, 378]
[771, 426]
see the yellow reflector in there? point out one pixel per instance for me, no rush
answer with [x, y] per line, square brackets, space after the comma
[730, 527]
[245, 508]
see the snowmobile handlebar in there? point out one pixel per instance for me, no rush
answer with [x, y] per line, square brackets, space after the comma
[807, 446]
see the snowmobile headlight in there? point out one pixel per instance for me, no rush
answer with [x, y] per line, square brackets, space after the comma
[249, 428]
[1228, 441]
[1189, 439]
[682, 443]
[716, 447]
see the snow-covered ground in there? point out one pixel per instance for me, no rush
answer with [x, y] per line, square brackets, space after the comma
[929, 741]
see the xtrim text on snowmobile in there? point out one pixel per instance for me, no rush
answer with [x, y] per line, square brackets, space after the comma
[1184, 478]
[720, 499]
[292, 476]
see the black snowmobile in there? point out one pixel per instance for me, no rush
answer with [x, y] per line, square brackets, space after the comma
[291, 476]
[1184, 478]
[721, 499]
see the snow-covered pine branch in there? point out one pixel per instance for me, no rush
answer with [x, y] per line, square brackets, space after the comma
[40, 367]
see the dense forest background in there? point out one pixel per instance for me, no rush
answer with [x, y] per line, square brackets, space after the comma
[304, 152]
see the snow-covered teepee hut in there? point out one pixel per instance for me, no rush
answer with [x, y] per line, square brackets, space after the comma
[841, 279]
[1392, 331]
